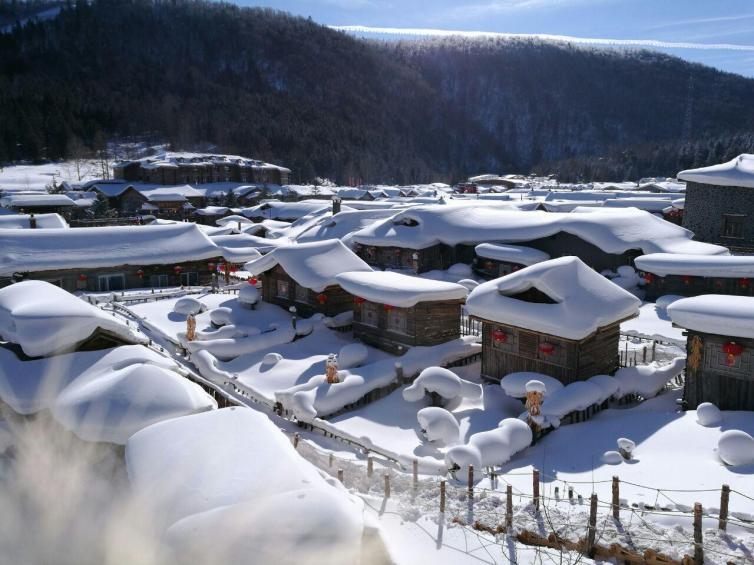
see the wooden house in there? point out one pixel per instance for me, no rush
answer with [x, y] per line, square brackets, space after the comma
[692, 275]
[36, 203]
[720, 350]
[112, 258]
[393, 311]
[559, 317]
[304, 276]
[497, 260]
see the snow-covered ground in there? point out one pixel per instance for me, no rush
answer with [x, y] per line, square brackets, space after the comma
[35, 178]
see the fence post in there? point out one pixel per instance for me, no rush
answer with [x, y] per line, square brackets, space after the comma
[592, 529]
[470, 486]
[399, 372]
[535, 488]
[616, 498]
[370, 466]
[331, 460]
[442, 497]
[698, 542]
[570, 493]
[387, 485]
[508, 507]
[340, 475]
[416, 474]
[724, 498]
[295, 440]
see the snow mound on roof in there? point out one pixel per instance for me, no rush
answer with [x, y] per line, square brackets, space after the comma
[707, 414]
[612, 458]
[188, 305]
[491, 448]
[511, 253]
[45, 319]
[574, 397]
[735, 448]
[514, 384]
[715, 314]
[303, 527]
[248, 295]
[396, 289]
[221, 316]
[648, 380]
[736, 172]
[113, 406]
[439, 425]
[443, 382]
[584, 300]
[191, 465]
[313, 265]
[663, 264]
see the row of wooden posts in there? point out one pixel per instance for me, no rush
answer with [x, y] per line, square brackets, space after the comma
[698, 558]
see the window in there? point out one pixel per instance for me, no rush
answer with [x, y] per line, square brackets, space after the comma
[397, 321]
[302, 294]
[733, 225]
[190, 279]
[158, 281]
[370, 315]
[111, 282]
[282, 289]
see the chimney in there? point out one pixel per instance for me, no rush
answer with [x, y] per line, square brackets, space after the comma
[32, 222]
[336, 200]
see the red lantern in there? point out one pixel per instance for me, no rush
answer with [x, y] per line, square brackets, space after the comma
[140, 274]
[233, 268]
[321, 298]
[388, 307]
[211, 266]
[82, 277]
[546, 348]
[648, 278]
[743, 283]
[359, 300]
[732, 350]
[686, 279]
[177, 269]
[489, 265]
[397, 251]
[253, 281]
[499, 336]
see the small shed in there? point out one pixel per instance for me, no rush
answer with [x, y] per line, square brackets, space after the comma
[304, 275]
[692, 275]
[720, 350]
[558, 317]
[496, 260]
[393, 311]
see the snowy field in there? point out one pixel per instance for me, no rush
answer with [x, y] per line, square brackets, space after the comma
[35, 178]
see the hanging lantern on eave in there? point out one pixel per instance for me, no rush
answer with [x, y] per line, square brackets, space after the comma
[732, 350]
[489, 265]
[686, 279]
[253, 281]
[648, 278]
[359, 300]
[388, 307]
[82, 277]
[546, 348]
[177, 269]
[499, 336]
[321, 298]
[140, 273]
[211, 266]
[233, 268]
[743, 282]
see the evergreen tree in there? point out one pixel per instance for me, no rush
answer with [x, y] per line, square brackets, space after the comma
[101, 207]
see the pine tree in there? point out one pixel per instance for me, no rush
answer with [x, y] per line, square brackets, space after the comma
[101, 207]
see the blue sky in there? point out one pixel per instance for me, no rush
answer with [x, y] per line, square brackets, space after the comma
[719, 33]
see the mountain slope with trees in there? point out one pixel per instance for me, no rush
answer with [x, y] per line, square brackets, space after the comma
[285, 89]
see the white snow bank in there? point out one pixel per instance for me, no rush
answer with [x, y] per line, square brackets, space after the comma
[460, 270]
[111, 407]
[23, 221]
[439, 425]
[608, 384]
[312, 265]
[736, 172]
[248, 295]
[707, 414]
[396, 289]
[648, 380]
[715, 314]
[584, 300]
[576, 396]
[663, 264]
[666, 300]
[735, 448]
[626, 278]
[490, 448]
[514, 384]
[612, 458]
[230, 348]
[188, 305]
[221, 316]
[271, 359]
[352, 355]
[443, 382]
[207, 364]
[511, 253]
[45, 319]
[211, 461]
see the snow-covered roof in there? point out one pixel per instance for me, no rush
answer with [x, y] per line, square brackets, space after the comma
[314, 265]
[23, 221]
[397, 289]
[343, 224]
[649, 204]
[172, 159]
[614, 231]
[237, 248]
[212, 211]
[664, 264]
[168, 193]
[584, 300]
[736, 172]
[275, 210]
[511, 253]
[33, 200]
[98, 247]
[45, 319]
[715, 314]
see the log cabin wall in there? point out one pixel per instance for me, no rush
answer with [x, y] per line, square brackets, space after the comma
[569, 362]
[279, 288]
[565, 244]
[712, 377]
[683, 285]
